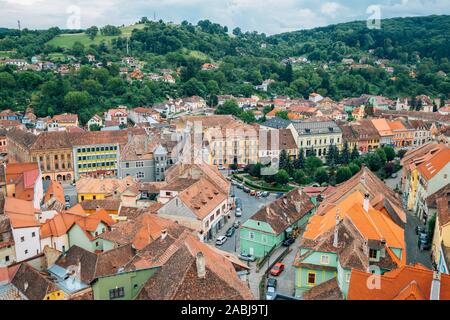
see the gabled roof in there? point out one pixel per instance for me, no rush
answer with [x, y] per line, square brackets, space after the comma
[139, 232]
[366, 181]
[177, 278]
[435, 164]
[21, 213]
[285, 211]
[410, 282]
[32, 283]
[94, 265]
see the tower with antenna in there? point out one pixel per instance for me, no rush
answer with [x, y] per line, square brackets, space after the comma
[18, 25]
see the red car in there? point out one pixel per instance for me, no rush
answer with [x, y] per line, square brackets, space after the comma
[277, 269]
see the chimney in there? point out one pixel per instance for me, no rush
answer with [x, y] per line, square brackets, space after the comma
[336, 230]
[366, 202]
[163, 234]
[435, 291]
[201, 268]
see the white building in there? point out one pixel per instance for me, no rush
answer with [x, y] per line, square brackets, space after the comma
[25, 225]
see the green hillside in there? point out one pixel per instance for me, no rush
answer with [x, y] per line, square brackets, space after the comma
[66, 40]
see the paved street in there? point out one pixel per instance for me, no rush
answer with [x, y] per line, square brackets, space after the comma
[413, 253]
[250, 205]
[71, 191]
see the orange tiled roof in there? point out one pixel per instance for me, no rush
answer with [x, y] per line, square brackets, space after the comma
[411, 282]
[373, 225]
[55, 190]
[435, 164]
[21, 213]
[396, 125]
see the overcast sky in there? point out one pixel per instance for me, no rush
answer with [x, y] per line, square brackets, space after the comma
[269, 16]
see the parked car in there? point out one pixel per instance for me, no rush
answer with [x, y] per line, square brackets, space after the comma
[246, 190]
[420, 229]
[230, 232]
[221, 240]
[394, 175]
[280, 194]
[240, 185]
[265, 194]
[425, 246]
[236, 224]
[288, 241]
[234, 182]
[277, 269]
[423, 236]
[258, 194]
[252, 192]
[247, 257]
[221, 167]
[272, 282]
[270, 293]
[238, 212]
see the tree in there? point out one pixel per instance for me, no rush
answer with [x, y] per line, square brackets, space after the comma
[288, 73]
[382, 155]
[354, 168]
[390, 153]
[321, 176]
[312, 164]
[374, 161]
[355, 153]
[74, 101]
[7, 81]
[299, 176]
[283, 114]
[299, 162]
[401, 153]
[247, 116]
[229, 107]
[110, 30]
[282, 177]
[345, 154]
[343, 174]
[284, 162]
[94, 127]
[92, 32]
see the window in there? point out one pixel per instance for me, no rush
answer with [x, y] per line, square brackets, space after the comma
[311, 278]
[33, 234]
[127, 165]
[140, 175]
[324, 259]
[252, 235]
[82, 198]
[139, 164]
[116, 293]
[22, 239]
[26, 251]
[372, 253]
[94, 197]
[6, 258]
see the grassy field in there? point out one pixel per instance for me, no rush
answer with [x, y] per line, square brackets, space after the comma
[67, 40]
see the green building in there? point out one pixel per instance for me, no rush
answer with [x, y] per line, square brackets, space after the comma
[271, 225]
[349, 235]
[121, 286]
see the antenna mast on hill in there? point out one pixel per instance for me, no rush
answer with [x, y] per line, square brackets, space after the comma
[154, 15]
[127, 45]
[18, 24]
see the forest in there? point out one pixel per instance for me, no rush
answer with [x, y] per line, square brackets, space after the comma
[419, 45]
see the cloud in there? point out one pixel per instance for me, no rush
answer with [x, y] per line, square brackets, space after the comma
[269, 16]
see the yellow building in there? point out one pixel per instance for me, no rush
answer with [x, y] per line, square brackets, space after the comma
[439, 202]
[55, 295]
[100, 189]
[316, 137]
[233, 143]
